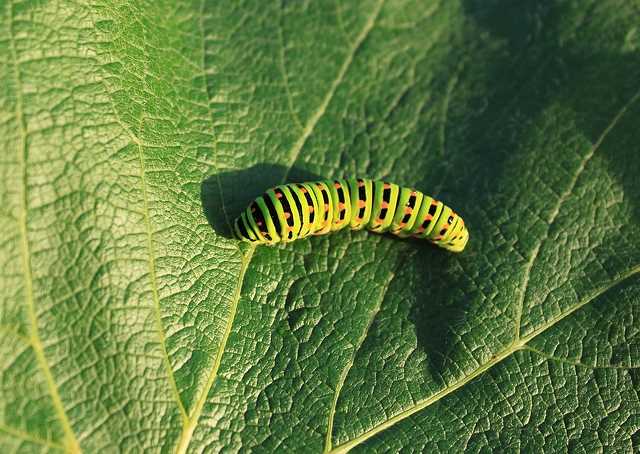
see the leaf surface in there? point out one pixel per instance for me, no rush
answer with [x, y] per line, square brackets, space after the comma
[132, 132]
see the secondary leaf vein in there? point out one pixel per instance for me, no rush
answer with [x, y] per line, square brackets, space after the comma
[153, 276]
[26, 436]
[34, 334]
[518, 344]
[349, 365]
[313, 121]
[154, 289]
[556, 210]
[283, 70]
[576, 363]
[187, 432]
[150, 252]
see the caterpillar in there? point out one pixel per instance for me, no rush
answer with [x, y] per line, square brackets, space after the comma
[296, 210]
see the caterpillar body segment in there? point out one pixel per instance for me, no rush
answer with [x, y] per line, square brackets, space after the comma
[385, 198]
[409, 202]
[325, 204]
[297, 210]
[361, 192]
[341, 204]
[309, 208]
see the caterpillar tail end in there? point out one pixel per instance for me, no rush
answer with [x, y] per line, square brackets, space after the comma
[458, 244]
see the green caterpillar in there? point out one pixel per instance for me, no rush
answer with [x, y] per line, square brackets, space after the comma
[296, 210]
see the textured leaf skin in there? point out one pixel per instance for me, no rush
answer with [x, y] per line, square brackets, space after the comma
[131, 132]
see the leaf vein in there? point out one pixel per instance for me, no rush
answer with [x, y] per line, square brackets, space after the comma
[556, 210]
[151, 259]
[208, 95]
[283, 70]
[349, 365]
[13, 331]
[34, 334]
[576, 363]
[26, 436]
[152, 271]
[154, 290]
[516, 345]
[319, 113]
[192, 422]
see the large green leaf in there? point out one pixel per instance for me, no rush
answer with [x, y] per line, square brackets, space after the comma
[132, 131]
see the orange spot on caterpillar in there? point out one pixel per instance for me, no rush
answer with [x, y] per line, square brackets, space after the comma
[384, 205]
[287, 215]
[386, 185]
[336, 185]
[311, 208]
[408, 210]
[360, 183]
[341, 206]
[362, 204]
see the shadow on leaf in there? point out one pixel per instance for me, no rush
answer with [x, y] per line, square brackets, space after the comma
[226, 194]
[595, 82]
[521, 68]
